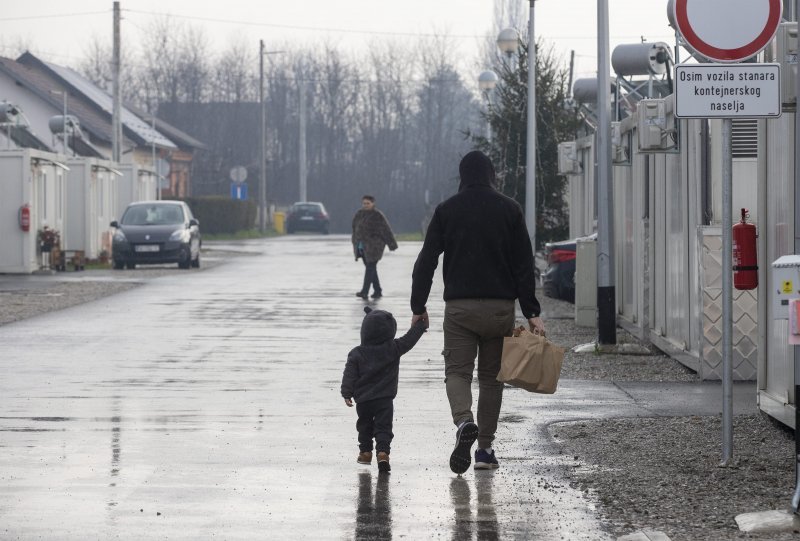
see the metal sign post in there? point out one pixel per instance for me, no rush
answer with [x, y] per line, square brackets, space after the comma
[796, 497]
[726, 31]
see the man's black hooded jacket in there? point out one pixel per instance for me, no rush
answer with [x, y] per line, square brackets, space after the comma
[487, 251]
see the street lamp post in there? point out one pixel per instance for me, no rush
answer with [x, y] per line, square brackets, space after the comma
[486, 82]
[262, 159]
[508, 42]
[606, 296]
[262, 154]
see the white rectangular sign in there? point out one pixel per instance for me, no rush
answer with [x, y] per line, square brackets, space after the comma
[727, 90]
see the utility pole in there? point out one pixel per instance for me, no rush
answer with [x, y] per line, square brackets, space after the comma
[262, 192]
[606, 295]
[530, 151]
[116, 120]
[302, 146]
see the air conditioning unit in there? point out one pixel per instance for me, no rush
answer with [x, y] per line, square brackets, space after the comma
[568, 159]
[620, 145]
[652, 125]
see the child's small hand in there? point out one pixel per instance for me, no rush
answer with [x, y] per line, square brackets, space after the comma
[349, 402]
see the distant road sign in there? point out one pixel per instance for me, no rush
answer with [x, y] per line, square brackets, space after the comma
[239, 191]
[238, 174]
[727, 30]
[727, 90]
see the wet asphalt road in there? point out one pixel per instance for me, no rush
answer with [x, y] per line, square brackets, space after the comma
[206, 404]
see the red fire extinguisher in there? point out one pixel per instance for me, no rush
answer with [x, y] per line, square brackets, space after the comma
[745, 255]
[24, 217]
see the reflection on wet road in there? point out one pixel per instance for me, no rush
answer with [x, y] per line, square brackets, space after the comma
[373, 507]
[207, 405]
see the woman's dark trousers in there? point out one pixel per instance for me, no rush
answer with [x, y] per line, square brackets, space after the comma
[371, 279]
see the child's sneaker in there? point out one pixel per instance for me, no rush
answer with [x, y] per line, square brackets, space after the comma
[383, 462]
[485, 460]
[365, 457]
[466, 435]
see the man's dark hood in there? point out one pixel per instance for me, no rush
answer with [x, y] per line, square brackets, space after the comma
[476, 169]
[378, 327]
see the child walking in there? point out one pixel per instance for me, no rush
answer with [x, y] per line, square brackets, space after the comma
[370, 377]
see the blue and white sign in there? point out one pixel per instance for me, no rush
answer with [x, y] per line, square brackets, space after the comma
[239, 191]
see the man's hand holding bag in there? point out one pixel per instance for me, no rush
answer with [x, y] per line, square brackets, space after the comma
[530, 362]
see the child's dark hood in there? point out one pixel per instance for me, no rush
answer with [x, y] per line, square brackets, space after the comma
[476, 169]
[378, 327]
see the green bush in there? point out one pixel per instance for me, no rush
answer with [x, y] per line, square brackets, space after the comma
[222, 215]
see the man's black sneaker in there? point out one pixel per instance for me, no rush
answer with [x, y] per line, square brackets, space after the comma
[485, 461]
[362, 295]
[461, 457]
[377, 295]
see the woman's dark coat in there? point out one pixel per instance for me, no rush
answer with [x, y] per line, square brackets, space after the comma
[372, 230]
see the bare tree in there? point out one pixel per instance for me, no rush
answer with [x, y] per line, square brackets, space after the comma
[234, 78]
[193, 71]
[96, 66]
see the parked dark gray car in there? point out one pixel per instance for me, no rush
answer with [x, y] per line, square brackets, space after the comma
[307, 216]
[151, 232]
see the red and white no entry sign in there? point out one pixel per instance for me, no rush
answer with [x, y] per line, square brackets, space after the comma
[727, 30]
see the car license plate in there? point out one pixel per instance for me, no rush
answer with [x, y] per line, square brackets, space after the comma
[147, 248]
[306, 217]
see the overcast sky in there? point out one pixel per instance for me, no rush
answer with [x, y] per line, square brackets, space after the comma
[60, 31]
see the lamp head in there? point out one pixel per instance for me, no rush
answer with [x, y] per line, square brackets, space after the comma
[508, 41]
[487, 80]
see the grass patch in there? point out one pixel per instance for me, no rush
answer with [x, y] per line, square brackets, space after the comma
[242, 235]
[408, 237]
[94, 265]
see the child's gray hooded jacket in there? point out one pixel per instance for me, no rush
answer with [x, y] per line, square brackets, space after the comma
[373, 368]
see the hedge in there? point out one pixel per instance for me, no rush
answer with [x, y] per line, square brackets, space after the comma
[218, 214]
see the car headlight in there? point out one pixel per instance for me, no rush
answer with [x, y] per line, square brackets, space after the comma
[180, 235]
[119, 236]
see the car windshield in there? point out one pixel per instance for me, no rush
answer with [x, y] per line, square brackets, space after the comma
[153, 215]
[307, 208]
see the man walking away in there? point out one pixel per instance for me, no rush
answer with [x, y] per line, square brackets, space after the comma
[488, 264]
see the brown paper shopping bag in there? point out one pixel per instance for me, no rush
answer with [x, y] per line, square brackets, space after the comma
[530, 362]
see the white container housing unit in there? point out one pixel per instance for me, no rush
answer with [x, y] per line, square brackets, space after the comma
[92, 203]
[135, 184]
[36, 180]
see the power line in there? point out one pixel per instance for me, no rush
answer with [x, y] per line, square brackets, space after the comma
[33, 17]
[307, 28]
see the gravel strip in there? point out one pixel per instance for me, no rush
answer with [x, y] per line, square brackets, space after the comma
[25, 303]
[561, 329]
[23, 299]
[665, 474]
